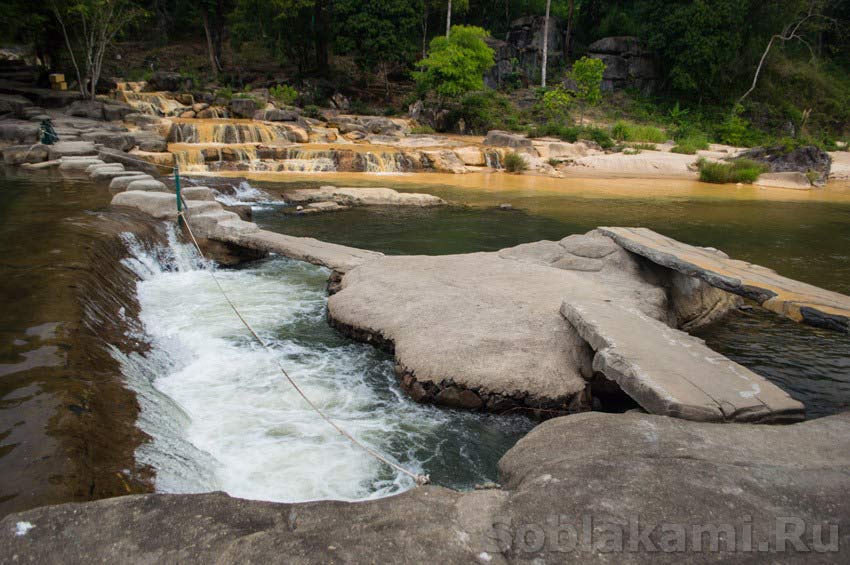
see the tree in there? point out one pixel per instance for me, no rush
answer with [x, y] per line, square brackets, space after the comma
[379, 33]
[213, 16]
[545, 44]
[793, 31]
[94, 25]
[456, 65]
[461, 5]
[587, 75]
[557, 102]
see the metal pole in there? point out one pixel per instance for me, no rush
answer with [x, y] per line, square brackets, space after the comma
[179, 199]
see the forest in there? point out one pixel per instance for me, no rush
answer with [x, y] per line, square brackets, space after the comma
[735, 71]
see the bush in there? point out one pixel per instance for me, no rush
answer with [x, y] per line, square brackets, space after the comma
[598, 135]
[421, 130]
[456, 64]
[645, 147]
[552, 129]
[482, 111]
[624, 131]
[313, 111]
[553, 162]
[514, 163]
[736, 131]
[738, 170]
[690, 145]
[284, 93]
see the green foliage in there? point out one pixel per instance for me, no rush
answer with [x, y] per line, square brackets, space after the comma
[313, 111]
[587, 76]
[739, 170]
[624, 131]
[284, 94]
[485, 110]
[645, 147]
[556, 103]
[677, 114]
[631, 151]
[226, 93]
[422, 130]
[377, 32]
[553, 162]
[690, 145]
[515, 163]
[597, 135]
[455, 65]
[735, 130]
[556, 129]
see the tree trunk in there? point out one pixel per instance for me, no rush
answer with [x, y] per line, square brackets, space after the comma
[449, 19]
[210, 44]
[545, 45]
[569, 40]
[425, 31]
[321, 37]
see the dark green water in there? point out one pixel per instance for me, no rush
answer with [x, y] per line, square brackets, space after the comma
[809, 241]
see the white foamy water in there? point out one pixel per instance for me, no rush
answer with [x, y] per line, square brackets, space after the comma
[244, 193]
[222, 417]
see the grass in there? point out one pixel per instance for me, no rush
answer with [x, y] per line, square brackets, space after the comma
[514, 163]
[645, 147]
[422, 130]
[690, 145]
[625, 131]
[739, 170]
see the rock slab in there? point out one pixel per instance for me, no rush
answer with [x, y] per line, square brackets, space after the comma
[670, 372]
[796, 300]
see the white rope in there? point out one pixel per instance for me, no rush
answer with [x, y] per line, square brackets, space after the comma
[419, 479]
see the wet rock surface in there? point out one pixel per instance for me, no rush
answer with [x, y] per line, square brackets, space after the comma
[363, 197]
[567, 486]
[807, 159]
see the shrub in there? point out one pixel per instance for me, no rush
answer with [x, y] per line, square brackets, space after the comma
[631, 151]
[514, 163]
[556, 103]
[456, 64]
[738, 170]
[226, 93]
[313, 111]
[598, 135]
[553, 162]
[482, 111]
[284, 93]
[690, 145]
[553, 129]
[736, 131]
[624, 131]
[420, 130]
[644, 146]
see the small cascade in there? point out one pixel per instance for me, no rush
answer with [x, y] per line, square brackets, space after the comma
[493, 159]
[199, 158]
[229, 132]
[152, 103]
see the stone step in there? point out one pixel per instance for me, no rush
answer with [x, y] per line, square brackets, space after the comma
[793, 299]
[670, 372]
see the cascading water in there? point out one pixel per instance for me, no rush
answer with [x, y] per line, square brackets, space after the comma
[153, 103]
[223, 418]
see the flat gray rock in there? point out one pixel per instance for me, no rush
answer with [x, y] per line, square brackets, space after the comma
[121, 183]
[336, 257]
[568, 488]
[72, 149]
[669, 372]
[347, 196]
[148, 185]
[798, 301]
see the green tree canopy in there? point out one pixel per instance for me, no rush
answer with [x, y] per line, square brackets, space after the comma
[456, 65]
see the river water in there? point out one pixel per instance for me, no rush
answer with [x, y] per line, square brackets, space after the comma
[220, 416]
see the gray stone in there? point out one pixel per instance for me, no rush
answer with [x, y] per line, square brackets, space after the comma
[807, 159]
[197, 193]
[798, 301]
[121, 183]
[168, 81]
[149, 141]
[131, 162]
[148, 185]
[243, 107]
[114, 140]
[276, 115]
[507, 139]
[72, 149]
[78, 164]
[364, 197]
[91, 109]
[669, 372]
[18, 131]
[116, 111]
[634, 470]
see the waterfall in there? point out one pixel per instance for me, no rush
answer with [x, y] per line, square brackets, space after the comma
[493, 159]
[229, 132]
[153, 103]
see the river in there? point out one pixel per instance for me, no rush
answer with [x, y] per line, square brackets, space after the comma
[219, 416]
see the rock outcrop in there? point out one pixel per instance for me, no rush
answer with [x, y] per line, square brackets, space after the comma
[808, 160]
[589, 488]
[364, 197]
[518, 58]
[628, 63]
[490, 323]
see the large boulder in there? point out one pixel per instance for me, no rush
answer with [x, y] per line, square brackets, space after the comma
[19, 132]
[116, 111]
[243, 107]
[13, 104]
[168, 81]
[520, 55]
[276, 115]
[628, 63]
[588, 488]
[809, 160]
[499, 138]
[121, 141]
[91, 109]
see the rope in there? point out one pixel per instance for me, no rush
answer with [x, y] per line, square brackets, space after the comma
[418, 479]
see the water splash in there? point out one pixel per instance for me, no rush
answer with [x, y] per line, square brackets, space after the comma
[222, 417]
